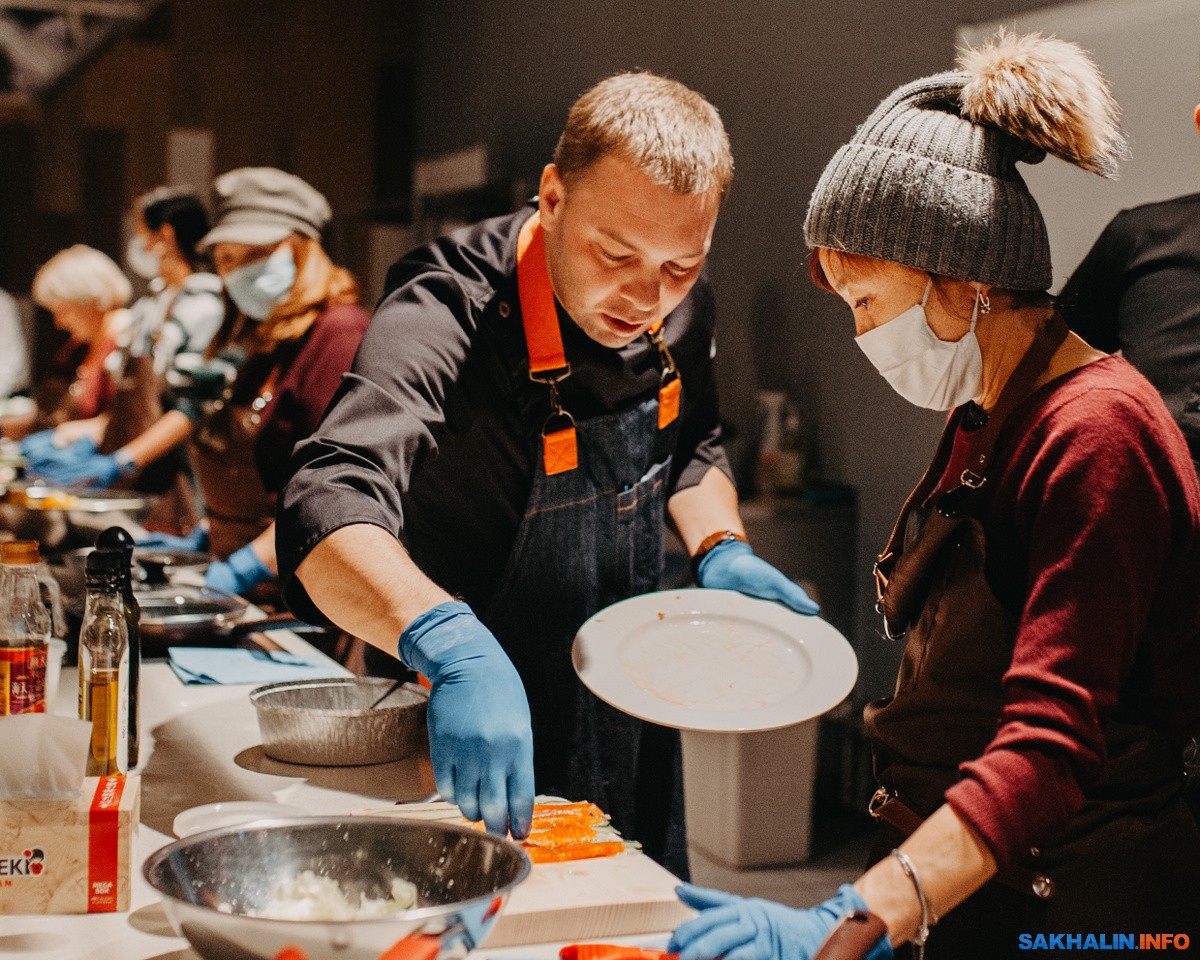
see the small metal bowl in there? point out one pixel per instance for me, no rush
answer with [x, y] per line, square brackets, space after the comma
[330, 723]
[211, 884]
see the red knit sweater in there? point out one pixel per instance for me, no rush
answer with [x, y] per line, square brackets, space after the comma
[1093, 534]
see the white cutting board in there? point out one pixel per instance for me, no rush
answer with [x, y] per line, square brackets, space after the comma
[577, 900]
[589, 900]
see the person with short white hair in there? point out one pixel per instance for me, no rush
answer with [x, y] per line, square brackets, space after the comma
[80, 275]
[87, 293]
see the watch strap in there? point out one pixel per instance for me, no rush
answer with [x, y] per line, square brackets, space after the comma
[711, 541]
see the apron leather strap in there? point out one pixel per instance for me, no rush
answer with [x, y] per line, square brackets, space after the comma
[886, 806]
[952, 504]
[853, 937]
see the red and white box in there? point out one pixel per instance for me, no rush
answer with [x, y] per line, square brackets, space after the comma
[70, 856]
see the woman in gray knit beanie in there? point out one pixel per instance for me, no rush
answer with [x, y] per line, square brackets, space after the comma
[1044, 575]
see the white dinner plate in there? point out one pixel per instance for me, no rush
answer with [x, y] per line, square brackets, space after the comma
[713, 660]
[231, 813]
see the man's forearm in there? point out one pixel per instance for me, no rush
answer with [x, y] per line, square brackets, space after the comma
[363, 580]
[709, 506]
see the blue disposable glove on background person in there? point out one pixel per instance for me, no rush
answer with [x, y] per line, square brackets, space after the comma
[96, 470]
[753, 929]
[480, 737]
[39, 446]
[194, 542]
[732, 565]
[241, 573]
[41, 453]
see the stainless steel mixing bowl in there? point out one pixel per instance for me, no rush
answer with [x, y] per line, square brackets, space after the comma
[210, 883]
[332, 723]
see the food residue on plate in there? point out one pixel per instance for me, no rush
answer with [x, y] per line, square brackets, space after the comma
[313, 897]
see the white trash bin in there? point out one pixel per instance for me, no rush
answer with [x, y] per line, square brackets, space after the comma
[748, 796]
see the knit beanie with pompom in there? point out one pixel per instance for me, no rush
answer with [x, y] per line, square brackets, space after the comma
[930, 179]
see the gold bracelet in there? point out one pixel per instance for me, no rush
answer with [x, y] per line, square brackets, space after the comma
[928, 918]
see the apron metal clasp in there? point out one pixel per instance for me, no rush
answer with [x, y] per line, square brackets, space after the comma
[887, 630]
[880, 797]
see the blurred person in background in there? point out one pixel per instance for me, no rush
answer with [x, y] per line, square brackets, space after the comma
[14, 355]
[291, 328]
[1138, 291]
[86, 293]
[139, 443]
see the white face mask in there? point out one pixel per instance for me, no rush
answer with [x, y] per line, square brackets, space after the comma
[932, 373]
[145, 263]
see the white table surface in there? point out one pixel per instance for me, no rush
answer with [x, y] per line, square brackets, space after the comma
[200, 744]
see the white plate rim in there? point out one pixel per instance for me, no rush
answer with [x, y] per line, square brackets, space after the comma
[593, 654]
[207, 816]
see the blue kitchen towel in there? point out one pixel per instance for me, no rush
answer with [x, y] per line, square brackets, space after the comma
[225, 665]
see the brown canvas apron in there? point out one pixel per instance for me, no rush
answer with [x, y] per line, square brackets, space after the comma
[236, 502]
[136, 406]
[1130, 859]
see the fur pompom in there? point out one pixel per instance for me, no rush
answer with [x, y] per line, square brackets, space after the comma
[1046, 92]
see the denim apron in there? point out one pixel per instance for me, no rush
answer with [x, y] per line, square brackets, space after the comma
[1129, 861]
[591, 536]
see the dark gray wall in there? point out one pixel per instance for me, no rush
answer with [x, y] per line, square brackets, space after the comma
[792, 81]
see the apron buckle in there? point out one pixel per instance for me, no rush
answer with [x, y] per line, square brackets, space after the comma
[665, 360]
[887, 630]
[879, 799]
[972, 479]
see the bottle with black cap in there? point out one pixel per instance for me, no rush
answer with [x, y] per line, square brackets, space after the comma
[104, 664]
[118, 538]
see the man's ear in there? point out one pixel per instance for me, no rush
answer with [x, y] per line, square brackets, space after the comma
[551, 191]
[1197, 118]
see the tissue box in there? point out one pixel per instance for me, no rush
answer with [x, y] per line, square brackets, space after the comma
[70, 856]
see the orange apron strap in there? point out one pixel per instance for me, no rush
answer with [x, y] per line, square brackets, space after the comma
[543, 338]
[671, 386]
[538, 313]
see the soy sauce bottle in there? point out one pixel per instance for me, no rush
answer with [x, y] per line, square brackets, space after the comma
[118, 538]
[104, 665]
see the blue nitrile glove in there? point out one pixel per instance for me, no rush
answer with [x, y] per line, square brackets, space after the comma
[241, 573]
[194, 542]
[480, 738]
[753, 929]
[732, 565]
[97, 470]
[40, 445]
[41, 453]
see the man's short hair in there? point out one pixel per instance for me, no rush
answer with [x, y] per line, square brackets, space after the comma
[670, 132]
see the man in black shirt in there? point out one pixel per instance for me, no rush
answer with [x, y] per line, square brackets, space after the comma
[1138, 291]
[534, 393]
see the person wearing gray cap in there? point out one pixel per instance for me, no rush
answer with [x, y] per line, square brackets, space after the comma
[291, 329]
[1045, 573]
